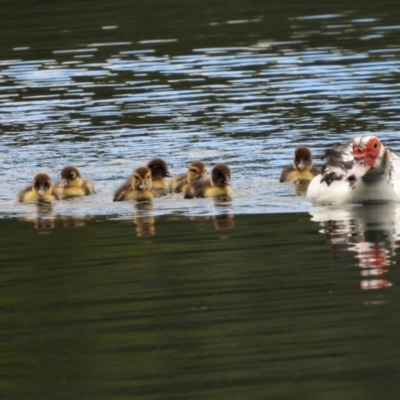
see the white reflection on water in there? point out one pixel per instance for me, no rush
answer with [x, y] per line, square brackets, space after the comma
[371, 231]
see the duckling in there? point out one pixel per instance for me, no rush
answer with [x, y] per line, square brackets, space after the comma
[159, 171]
[40, 190]
[196, 170]
[302, 168]
[219, 185]
[72, 184]
[138, 187]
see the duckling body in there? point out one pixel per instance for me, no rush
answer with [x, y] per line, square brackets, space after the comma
[217, 186]
[72, 184]
[139, 187]
[196, 170]
[302, 168]
[40, 190]
[159, 171]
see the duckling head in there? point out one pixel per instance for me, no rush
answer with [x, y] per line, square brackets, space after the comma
[302, 159]
[196, 170]
[42, 184]
[141, 179]
[70, 176]
[221, 175]
[159, 169]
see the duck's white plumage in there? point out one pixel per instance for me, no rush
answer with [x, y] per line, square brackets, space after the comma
[362, 170]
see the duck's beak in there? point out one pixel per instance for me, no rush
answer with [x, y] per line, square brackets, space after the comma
[169, 174]
[359, 169]
[63, 183]
[228, 182]
[42, 191]
[143, 186]
[301, 165]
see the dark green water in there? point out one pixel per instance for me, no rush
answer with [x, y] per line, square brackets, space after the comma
[258, 309]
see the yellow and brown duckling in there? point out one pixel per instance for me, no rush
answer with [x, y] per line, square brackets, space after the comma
[139, 187]
[302, 168]
[40, 190]
[159, 171]
[218, 185]
[196, 170]
[72, 184]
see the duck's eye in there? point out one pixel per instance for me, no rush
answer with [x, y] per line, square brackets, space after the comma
[193, 170]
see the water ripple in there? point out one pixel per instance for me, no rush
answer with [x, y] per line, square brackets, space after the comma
[248, 104]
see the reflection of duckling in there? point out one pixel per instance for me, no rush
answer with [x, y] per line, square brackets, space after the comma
[41, 190]
[219, 185]
[72, 184]
[70, 221]
[138, 187]
[159, 171]
[144, 220]
[45, 218]
[223, 221]
[302, 168]
[196, 170]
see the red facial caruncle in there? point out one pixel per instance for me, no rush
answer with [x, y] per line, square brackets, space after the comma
[369, 151]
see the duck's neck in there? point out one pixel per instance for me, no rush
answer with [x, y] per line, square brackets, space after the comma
[380, 172]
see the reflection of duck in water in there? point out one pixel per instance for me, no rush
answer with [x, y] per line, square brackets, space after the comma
[139, 187]
[302, 168]
[159, 171]
[40, 190]
[144, 220]
[371, 231]
[196, 170]
[217, 186]
[72, 184]
[70, 221]
[361, 170]
[225, 218]
[44, 218]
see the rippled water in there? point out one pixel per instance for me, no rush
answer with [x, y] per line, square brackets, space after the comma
[110, 101]
[262, 297]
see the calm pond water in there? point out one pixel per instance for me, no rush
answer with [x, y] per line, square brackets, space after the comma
[262, 297]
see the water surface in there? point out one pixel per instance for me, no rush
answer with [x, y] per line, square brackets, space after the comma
[262, 297]
[107, 88]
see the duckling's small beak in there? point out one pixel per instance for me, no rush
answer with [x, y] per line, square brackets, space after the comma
[301, 165]
[42, 191]
[143, 186]
[228, 182]
[169, 174]
[202, 176]
[63, 183]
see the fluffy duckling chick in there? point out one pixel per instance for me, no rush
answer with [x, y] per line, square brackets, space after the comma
[196, 170]
[138, 187]
[72, 184]
[40, 190]
[302, 168]
[219, 185]
[159, 171]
